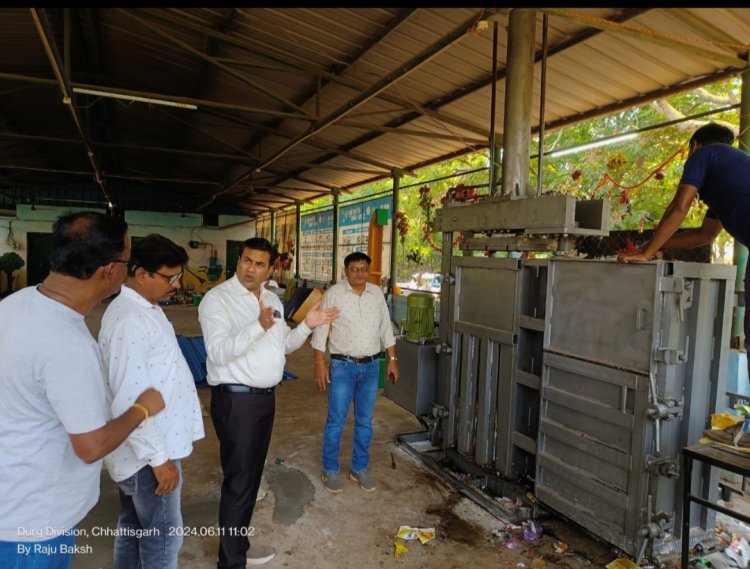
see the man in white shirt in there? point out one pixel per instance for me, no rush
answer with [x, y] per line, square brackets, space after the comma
[356, 340]
[140, 349]
[247, 341]
[54, 419]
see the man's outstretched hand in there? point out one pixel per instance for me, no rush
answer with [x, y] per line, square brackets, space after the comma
[317, 317]
[638, 257]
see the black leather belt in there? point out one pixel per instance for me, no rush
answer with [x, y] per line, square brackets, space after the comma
[239, 388]
[365, 360]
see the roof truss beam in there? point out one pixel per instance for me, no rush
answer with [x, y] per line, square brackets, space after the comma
[200, 103]
[113, 176]
[207, 58]
[53, 54]
[137, 147]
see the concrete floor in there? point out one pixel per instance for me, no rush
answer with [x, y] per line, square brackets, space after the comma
[311, 527]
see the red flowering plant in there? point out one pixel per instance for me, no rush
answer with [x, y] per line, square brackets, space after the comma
[427, 206]
[402, 225]
[462, 193]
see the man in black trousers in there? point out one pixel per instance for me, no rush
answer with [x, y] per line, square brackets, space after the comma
[247, 341]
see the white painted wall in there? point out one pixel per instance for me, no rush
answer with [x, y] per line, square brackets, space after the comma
[179, 228]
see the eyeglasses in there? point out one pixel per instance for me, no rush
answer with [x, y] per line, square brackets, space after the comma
[359, 269]
[171, 279]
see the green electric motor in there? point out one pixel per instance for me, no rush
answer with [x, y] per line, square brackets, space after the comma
[420, 316]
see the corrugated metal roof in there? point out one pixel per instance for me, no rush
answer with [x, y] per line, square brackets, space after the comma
[296, 102]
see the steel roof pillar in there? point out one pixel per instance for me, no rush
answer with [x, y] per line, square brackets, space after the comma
[335, 252]
[518, 92]
[394, 229]
[297, 236]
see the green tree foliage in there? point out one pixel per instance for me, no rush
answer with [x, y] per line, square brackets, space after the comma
[638, 175]
[416, 253]
[637, 162]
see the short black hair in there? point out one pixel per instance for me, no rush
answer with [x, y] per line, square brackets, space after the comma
[155, 251]
[260, 244]
[356, 256]
[84, 241]
[712, 133]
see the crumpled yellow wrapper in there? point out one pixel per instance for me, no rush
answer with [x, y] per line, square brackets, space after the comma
[422, 534]
[399, 549]
[621, 563]
[724, 420]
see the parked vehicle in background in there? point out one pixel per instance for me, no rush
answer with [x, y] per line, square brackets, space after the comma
[423, 281]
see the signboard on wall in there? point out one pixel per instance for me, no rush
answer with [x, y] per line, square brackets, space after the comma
[316, 245]
[316, 237]
[354, 229]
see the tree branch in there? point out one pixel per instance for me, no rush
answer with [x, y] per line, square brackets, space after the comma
[672, 114]
[721, 101]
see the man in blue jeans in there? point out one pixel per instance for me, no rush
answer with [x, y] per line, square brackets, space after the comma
[356, 340]
[139, 347]
[720, 175]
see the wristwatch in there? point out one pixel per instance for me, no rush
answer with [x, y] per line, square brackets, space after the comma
[392, 358]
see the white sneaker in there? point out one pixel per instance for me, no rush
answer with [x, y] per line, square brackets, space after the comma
[259, 554]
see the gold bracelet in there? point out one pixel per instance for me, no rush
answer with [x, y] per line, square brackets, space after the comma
[142, 408]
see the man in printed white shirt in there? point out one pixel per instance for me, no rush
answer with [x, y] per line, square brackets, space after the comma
[247, 341]
[140, 350]
[355, 342]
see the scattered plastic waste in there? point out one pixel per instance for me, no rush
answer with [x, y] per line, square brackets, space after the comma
[513, 543]
[621, 563]
[539, 563]
[399, 548]
[422, 534]
[505, 501]
[279, 461]
[731, 529]
[533, 531]
[560, 547]
[724, 420]
[717, 560]
[739, 552]
[521, 564]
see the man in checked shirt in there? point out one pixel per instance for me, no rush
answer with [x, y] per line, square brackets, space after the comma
[361, 332]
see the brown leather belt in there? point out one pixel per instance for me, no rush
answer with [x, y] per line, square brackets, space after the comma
[365, 360]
